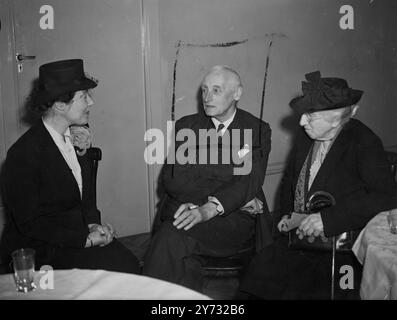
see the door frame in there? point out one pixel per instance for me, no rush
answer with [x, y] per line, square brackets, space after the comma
[8, 78]
[153, 87]
[9, 114]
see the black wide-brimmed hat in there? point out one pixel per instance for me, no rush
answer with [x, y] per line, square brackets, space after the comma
[60, 77]
[324, 94]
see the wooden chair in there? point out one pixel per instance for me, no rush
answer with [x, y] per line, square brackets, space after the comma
[222, 275]
[392, 158]
[230, 266]
[234, 265]
[94, 154]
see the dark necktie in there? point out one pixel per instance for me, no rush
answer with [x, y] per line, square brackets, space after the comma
[220, 127]
[219, 134]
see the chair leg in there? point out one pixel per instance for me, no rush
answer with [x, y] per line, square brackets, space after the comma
[333, 268]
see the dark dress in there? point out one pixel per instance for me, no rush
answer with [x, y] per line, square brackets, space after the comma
[356, 172]
[46, 212]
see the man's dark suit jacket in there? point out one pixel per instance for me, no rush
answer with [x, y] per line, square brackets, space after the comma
[42, 198]
[355, 171]
[195, 182]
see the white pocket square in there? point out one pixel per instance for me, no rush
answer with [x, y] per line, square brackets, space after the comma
[242, 152]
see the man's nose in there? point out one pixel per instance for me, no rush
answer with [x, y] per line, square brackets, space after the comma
[207, 96]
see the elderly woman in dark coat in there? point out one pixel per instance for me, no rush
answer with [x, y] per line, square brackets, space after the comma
[336, 154]
[45, 186]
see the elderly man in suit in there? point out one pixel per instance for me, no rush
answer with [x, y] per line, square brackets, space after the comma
[46, 187]
[336, 154]
[204, 209]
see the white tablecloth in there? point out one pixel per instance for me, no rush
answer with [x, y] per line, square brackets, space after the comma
[376, 249]
[99, 284]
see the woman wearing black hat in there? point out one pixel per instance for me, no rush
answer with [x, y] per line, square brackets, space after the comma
[333, 154]
[45, 185]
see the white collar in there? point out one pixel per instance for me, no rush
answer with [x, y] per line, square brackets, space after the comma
[56, 136]
[226, 123]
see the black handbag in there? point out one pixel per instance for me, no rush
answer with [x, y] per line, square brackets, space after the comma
[342, 242]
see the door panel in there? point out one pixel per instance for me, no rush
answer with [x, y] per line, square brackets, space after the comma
[107, 35]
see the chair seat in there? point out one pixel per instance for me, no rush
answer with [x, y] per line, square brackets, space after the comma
[230, 266]
[212, 263]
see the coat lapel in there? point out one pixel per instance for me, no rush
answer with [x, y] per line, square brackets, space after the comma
[331, 160]
[55, 159]
[85, 173]
[236, 124]
[235, 145]
[305, 144]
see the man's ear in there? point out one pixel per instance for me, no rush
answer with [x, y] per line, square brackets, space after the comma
[238, 93]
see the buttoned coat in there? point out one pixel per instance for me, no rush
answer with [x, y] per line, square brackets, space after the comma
[195, 182]
[355, 171]
[43, 203]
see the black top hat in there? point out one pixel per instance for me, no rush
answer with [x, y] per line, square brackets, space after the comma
[60, 77]
[324, 94]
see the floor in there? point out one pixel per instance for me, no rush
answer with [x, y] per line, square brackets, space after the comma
[215, 286]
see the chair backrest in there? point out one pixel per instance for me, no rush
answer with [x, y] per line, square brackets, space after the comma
[392, 158]
[95, 155]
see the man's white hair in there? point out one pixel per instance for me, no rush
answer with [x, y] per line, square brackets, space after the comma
[224, 69]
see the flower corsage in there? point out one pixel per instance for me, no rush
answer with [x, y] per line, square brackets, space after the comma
[81, 139]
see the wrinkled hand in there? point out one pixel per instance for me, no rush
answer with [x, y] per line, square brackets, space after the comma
[254, 206]
[94, 239]
[106, 233]
[312, 225]
[188, 215]
[282, 225]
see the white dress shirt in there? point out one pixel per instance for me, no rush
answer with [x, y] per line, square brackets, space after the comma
[64, 144]
[226, 123]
